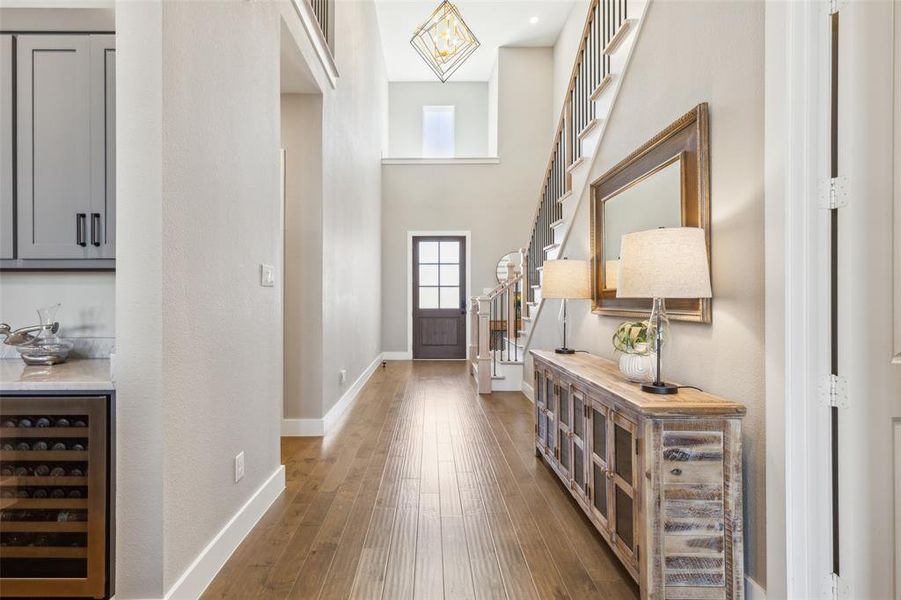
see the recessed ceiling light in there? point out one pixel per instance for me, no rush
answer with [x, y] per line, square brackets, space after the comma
[533, 20]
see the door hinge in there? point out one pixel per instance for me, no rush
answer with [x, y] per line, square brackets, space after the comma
[835, 391]
[834, 193]
[838, 589]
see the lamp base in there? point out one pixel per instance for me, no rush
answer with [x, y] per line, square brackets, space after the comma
[564, 350]
[659, 388]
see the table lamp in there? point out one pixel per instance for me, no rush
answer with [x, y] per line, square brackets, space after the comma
[566, 280]
[670, 262]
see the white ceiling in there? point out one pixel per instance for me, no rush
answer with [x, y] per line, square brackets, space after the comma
[495, 23]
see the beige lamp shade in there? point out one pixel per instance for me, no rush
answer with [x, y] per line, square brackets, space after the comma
[565, 279]
[670, 262]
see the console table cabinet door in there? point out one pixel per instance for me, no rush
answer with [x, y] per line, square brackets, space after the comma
[550, 399]
[579, 445]
[599, 465]
[564, 429]
[623, 490]
[540, 413]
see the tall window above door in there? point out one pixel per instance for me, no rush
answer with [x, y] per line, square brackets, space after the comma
[438, 132]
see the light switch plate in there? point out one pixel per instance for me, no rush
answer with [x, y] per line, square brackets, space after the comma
[239, 467]
[267, 275]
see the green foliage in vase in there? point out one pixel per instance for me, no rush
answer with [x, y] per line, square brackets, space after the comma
[631, 337]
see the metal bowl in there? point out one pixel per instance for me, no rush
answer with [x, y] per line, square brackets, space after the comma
[45, 352]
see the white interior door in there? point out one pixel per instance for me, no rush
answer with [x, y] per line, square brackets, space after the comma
[868, 67]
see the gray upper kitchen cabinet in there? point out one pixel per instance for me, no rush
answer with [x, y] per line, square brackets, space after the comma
[7, 224]
[65, 146]
[103, 145]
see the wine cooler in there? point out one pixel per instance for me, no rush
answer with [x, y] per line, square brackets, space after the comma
[54, 496]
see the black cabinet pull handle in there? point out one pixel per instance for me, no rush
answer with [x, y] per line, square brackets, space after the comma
[676, 472]
[95, 229]
[80, 220]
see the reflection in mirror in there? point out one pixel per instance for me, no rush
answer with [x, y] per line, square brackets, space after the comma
[512, 257]
[651, 202]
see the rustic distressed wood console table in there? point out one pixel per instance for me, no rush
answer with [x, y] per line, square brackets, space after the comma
[658, 476]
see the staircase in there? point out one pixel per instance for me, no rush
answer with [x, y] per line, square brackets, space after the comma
[610, 33]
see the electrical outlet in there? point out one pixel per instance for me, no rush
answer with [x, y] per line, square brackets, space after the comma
[267, 275]
[342, 376]
[239, 467]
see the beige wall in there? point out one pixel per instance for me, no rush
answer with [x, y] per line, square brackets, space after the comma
[199, 363]
[353, 119]
[302, 141]
[471, 115]
[691, 52]
[495, 202]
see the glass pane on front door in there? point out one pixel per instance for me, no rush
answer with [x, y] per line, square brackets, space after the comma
[439, 275]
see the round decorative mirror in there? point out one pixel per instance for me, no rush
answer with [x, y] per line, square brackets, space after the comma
[512, 257]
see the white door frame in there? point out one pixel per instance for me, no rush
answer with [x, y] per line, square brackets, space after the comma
[409, 301]
[798, 306]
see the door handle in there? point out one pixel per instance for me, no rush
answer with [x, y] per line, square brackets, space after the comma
[80, 220]
[95, 229]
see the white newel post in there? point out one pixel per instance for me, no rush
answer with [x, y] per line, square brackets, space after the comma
[484, 370]
[511, 302]
[473, 333]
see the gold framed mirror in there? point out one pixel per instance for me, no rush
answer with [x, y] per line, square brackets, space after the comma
[664, 183]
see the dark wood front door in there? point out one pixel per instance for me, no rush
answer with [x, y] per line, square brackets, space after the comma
[439, 297]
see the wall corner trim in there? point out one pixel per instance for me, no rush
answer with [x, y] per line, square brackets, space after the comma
[206, 566]
[527, 391]
[319, 427]
[753, 591]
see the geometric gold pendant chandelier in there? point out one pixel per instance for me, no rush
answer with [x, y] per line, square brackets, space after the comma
[444, 41]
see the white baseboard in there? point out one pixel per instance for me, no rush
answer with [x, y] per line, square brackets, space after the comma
[397, 356]
[318, 427]
[351, 395]
[528, 392]
[753, 591]
[203, 570]
[302, 428]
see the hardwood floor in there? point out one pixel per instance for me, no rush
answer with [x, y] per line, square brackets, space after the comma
[424, 490]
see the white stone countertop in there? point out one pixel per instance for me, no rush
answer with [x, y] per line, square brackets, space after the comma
[73, 376]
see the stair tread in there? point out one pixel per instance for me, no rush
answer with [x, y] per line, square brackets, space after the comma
[551, 246]
[576, 164]
[603, 86]
[619, 37]
[589, 127]
[565, 196]
[557, 223]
